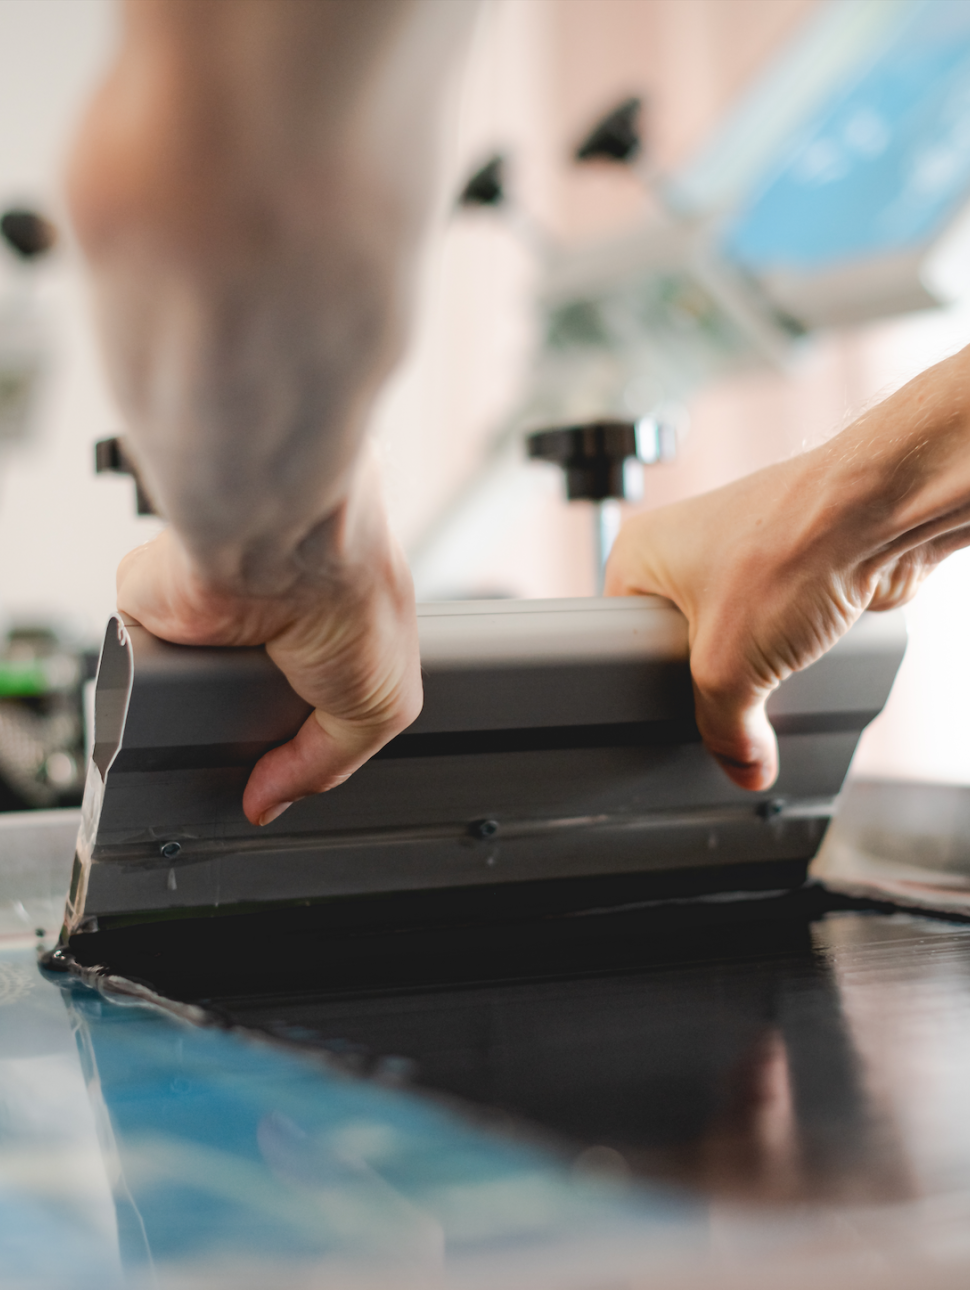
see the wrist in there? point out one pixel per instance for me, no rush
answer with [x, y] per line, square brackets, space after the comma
[904, 466]
[343, 552]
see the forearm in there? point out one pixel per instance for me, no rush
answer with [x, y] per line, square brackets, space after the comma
[896, 484]
[241, 192]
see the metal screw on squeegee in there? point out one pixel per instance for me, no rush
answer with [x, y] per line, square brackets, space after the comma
[771, 808]
[484, 828]
[603, 463]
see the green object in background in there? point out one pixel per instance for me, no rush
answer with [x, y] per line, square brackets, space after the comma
[22, 679]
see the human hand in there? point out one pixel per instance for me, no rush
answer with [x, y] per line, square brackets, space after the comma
[770, 571]
[344, 634]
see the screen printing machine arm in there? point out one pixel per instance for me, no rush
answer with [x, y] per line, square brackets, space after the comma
[250, 187]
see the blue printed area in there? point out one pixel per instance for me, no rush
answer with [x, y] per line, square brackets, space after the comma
[215, 1151]
[882, 166]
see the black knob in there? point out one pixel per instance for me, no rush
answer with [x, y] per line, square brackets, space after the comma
[111, 457]
[486, 187]
[592, 456]
[616, 137]
[27, 233]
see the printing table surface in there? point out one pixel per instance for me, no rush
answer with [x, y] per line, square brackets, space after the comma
[767, 1101]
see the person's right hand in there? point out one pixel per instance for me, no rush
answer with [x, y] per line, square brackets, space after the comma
[758, 606]
[344, 635]
[771, 570]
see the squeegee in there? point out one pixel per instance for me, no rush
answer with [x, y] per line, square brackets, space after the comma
[556, 751]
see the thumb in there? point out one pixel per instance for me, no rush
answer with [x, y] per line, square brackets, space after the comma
[736, 730]
[324, 752]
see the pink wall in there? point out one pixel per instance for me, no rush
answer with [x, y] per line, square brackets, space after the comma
[541, 73]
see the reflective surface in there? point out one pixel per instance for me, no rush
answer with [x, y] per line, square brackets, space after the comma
[772, 1093]
[801, 1104]
[753, 1066]
[136, 1149]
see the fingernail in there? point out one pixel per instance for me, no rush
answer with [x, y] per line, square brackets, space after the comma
[274, 813]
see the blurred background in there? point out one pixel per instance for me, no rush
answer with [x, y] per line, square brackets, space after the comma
[734, 224]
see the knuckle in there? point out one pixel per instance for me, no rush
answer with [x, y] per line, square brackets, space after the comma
[716, 680]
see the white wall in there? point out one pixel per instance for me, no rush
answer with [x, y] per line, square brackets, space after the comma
[62, 529]
[925, 731]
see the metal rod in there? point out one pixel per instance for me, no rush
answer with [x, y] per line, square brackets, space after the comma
[607, 525]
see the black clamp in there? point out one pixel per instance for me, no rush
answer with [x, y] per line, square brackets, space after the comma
[112, 458]
[26, 233]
